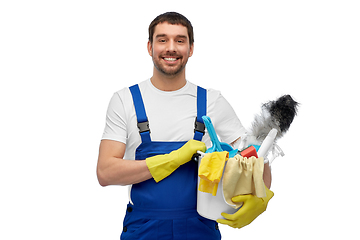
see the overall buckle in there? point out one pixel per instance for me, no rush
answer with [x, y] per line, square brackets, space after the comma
[199, 126]
[143, 127]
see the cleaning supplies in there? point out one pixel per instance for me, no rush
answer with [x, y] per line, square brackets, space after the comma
[209, 205]
[248, 152]
[242, 176]
[217, 146]
[211, 171]
[267, 143]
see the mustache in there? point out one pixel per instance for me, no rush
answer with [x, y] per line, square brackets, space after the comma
[168, 54]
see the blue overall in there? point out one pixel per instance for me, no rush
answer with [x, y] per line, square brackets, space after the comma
[166, 210]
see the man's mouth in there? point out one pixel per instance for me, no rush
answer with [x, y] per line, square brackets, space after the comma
[170, 59]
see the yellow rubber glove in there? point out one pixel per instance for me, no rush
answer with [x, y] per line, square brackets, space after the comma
[251, 209]
[161, 166]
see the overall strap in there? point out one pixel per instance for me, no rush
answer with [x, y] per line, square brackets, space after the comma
[143, 123]
[201, 111]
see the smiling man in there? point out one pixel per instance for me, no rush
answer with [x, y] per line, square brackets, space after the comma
[170, 48]
[150, 138]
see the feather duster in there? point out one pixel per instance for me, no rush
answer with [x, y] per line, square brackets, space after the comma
[278, 114]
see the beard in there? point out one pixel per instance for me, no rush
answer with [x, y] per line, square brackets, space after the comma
[169, 70]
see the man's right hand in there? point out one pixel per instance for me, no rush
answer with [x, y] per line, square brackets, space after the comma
[161, 166]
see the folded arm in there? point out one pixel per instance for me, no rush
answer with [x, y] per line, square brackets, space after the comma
[112, 169]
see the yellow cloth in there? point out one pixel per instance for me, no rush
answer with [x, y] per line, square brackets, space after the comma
[242, 176]
[211, 170]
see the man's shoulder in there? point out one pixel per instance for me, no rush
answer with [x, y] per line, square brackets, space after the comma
[210, 91]
[126, 90]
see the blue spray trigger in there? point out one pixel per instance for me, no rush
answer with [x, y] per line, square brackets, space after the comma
[217, 145]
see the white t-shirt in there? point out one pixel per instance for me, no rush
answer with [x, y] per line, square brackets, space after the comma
[171, 116]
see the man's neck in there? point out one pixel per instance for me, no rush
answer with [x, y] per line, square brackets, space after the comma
[168, 83]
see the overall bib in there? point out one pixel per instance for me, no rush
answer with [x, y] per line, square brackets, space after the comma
[167, 210]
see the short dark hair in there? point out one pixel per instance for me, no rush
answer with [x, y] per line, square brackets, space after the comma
[172, 18]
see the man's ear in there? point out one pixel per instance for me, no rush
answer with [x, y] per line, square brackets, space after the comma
[149, 48]
[191, 50]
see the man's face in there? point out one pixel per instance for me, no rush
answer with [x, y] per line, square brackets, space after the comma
[170, 49]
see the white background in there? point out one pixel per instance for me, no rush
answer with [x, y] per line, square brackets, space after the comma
[61, 61]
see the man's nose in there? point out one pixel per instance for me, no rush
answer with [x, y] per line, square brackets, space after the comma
[171, 46]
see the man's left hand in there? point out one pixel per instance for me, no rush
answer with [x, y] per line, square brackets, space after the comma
[252, 207]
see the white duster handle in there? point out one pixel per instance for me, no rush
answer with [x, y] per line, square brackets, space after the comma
[267, 143]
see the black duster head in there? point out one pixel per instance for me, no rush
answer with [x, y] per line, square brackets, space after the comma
[282, 111]
[277, 114]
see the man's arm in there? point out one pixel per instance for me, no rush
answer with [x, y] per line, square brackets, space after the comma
[267, 175]
[112, 169]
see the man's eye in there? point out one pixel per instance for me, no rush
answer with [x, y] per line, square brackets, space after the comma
[162, 40]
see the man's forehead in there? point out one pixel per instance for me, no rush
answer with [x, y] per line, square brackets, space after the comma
[167, 29]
